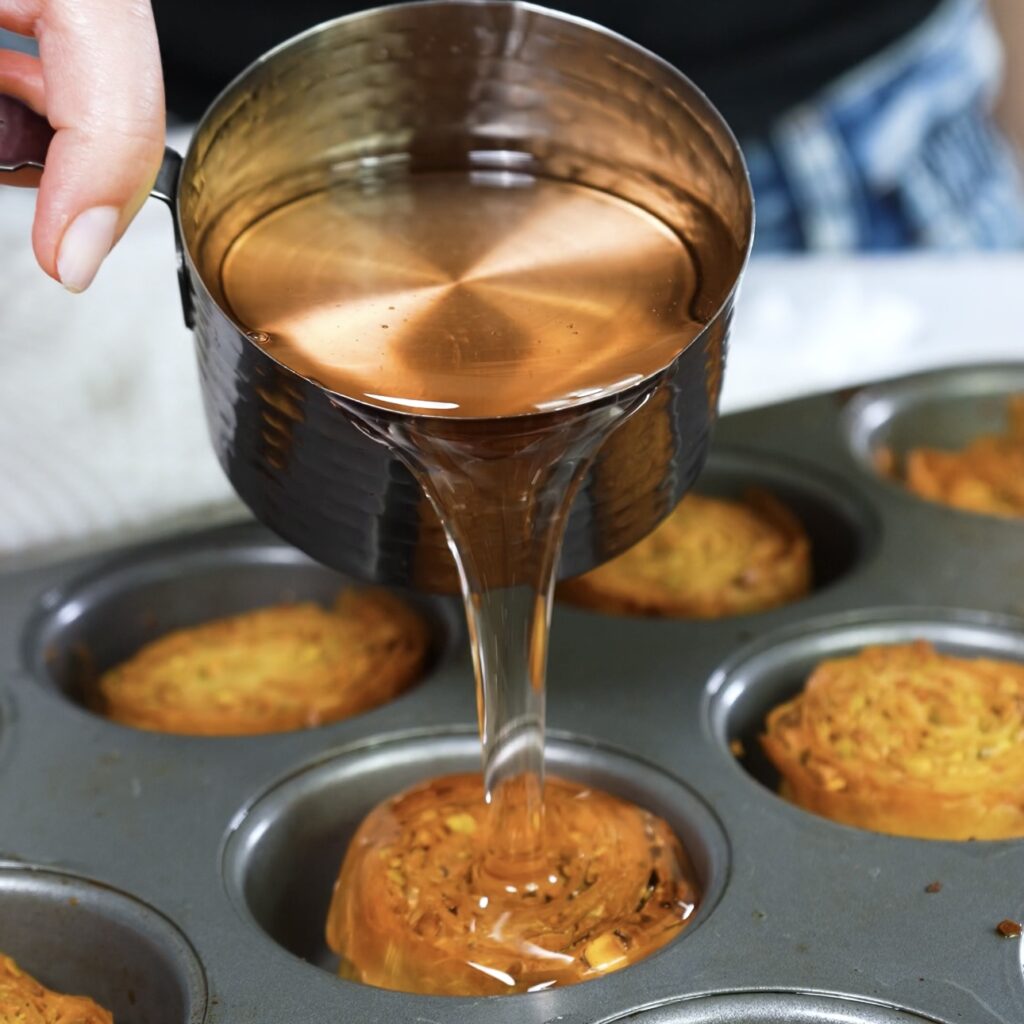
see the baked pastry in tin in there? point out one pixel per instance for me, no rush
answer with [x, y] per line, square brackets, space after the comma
[23, 1000]
[986, 476]
[420, 905]
[272, 670]
[906, 740]
[711, 558]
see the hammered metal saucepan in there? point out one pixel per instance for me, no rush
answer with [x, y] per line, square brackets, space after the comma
[442, 86]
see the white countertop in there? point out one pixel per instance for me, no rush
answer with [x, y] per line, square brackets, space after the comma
[102, 437]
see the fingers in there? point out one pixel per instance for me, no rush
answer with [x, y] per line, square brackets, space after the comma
[21, 76]
[103, 94]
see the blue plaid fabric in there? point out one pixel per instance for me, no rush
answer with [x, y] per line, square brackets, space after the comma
[900, 152]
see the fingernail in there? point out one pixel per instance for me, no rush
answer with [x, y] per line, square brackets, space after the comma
[86, 242]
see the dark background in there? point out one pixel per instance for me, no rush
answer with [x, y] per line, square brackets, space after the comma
[754, 58]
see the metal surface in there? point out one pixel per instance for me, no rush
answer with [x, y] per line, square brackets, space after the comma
[773, 1008]
[80, 937]
[443, 86]
[233, 840]
[945, 409]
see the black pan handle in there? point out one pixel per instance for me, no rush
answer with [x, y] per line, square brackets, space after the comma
[165, 188]
[25, 138]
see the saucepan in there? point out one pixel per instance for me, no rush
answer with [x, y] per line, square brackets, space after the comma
[431, 86]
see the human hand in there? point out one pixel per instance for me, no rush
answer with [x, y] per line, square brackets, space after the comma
[97, 80]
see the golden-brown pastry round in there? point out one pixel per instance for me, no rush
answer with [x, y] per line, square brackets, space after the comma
[710, 559]
[23, 1000]
[906, 740]
[271, 670]
[418, 908]
[986, 476]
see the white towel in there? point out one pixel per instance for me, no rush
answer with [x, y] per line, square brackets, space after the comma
[102, 436]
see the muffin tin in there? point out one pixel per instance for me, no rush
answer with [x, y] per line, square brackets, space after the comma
[180, 879]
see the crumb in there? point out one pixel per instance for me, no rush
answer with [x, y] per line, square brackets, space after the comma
[933, 887]
[736, 746]
[1009, 929]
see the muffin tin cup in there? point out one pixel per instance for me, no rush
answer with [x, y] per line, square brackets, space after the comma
[772, 1008]
[237, 841]
[79, 630]
[281, 860]
[774, 668]
[842, 528]
[940, 409]
[83, 938]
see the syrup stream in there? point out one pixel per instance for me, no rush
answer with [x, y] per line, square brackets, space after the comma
[502, 492]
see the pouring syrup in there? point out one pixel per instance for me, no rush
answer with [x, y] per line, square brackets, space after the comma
[513, 323]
